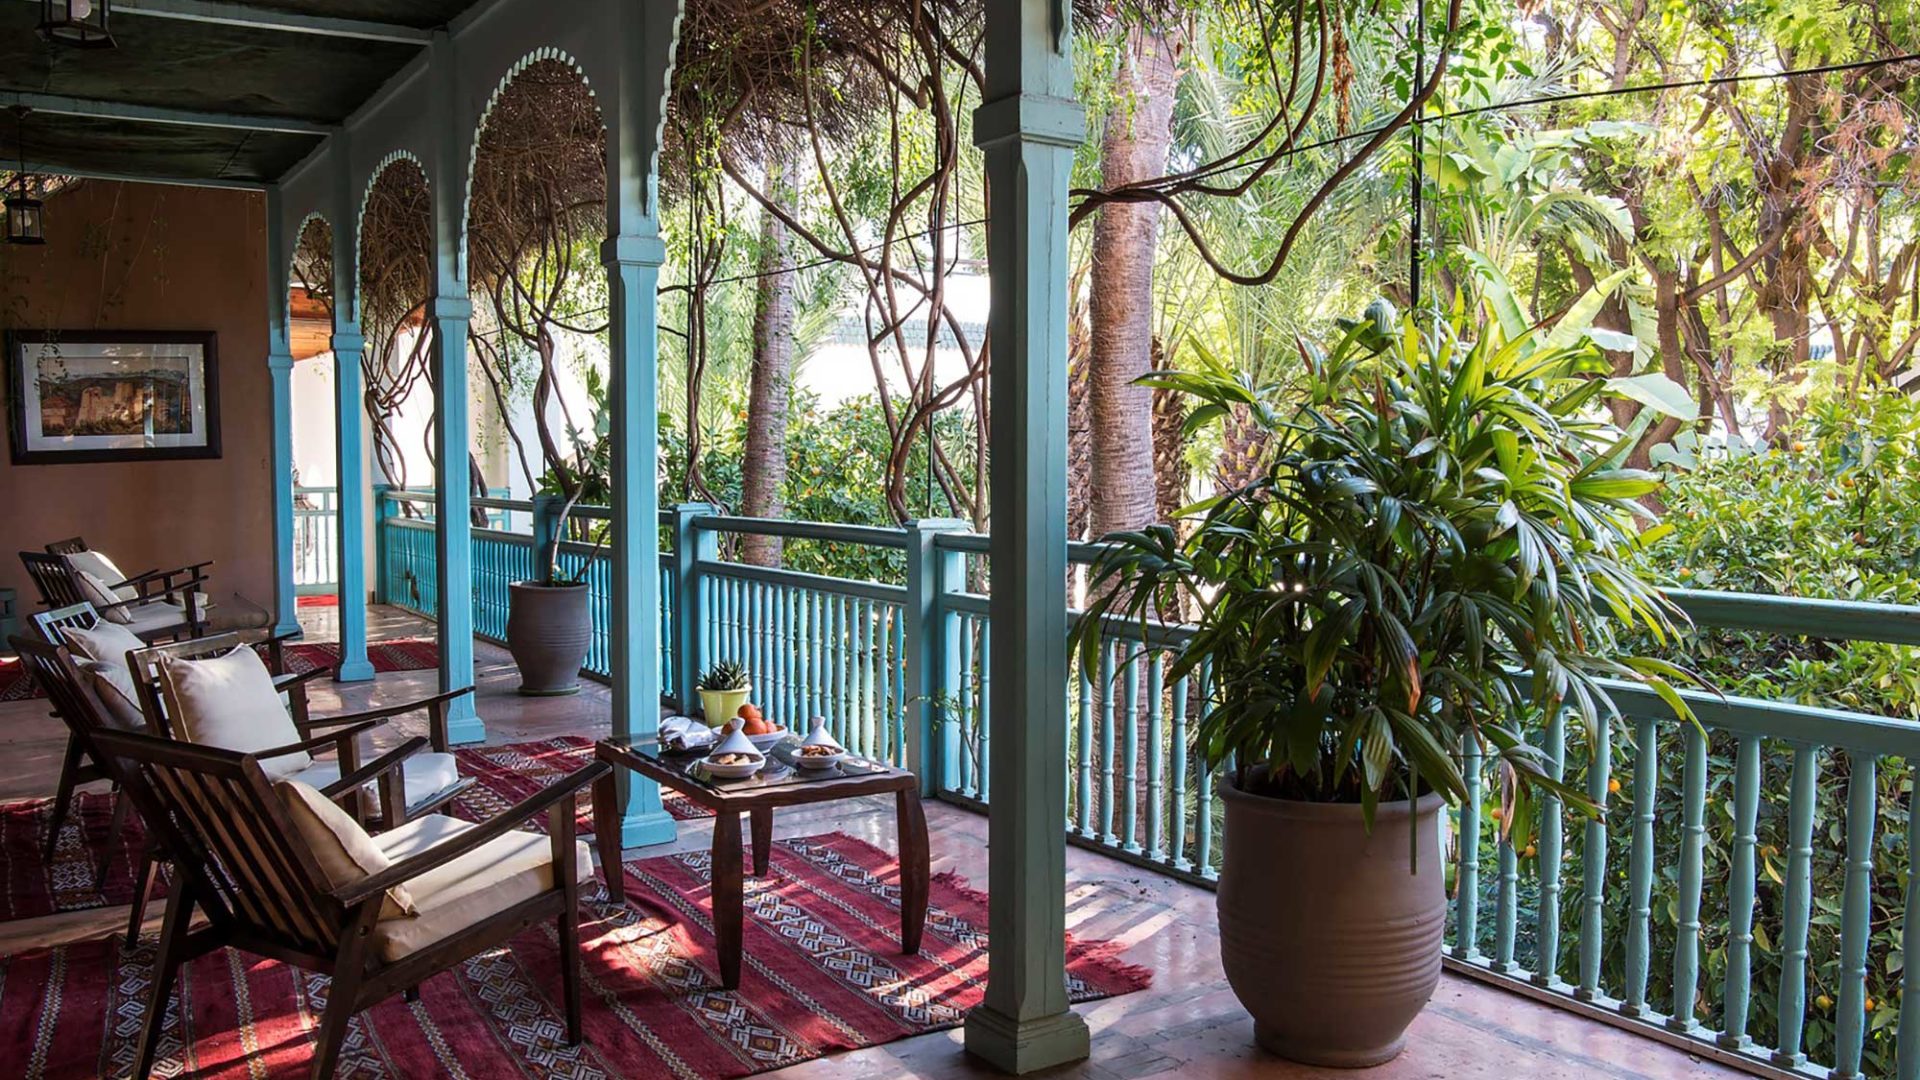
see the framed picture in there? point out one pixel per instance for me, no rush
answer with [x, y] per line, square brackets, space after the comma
[92, 396]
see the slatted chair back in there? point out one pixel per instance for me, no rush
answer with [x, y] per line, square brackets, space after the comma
[233, 842]
[146, 672]
[72, 695]
[72, 545]
[53, 625]
[55, 580]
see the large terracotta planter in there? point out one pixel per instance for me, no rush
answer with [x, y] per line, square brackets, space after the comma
[1330, 935]
[548, 633]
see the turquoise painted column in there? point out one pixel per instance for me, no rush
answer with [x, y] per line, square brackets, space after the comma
[349, 407]
[930, 571]
[280, 371]
[633, 280]
[350, 466]
[1029, 127]
[451, 312]
[690, 546]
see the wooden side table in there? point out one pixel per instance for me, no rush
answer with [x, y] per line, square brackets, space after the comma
[779, 784]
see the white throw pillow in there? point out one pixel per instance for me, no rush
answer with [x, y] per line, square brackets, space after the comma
[343, 849]
[101, 567]
[108, 643]
[113, 687]
[97, 594]
[230, 701]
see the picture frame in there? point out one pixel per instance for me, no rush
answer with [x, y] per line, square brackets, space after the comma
[90, 396]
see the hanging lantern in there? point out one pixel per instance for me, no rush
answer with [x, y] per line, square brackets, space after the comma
[80, 23]
[25, 215]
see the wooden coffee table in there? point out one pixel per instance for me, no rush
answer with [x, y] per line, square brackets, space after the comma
[779, 784]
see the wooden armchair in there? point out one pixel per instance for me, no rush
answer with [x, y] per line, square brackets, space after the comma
[244, 858]
[80, 766]
[154, 616]
[430, 779]
[150, 582]
[78, 705]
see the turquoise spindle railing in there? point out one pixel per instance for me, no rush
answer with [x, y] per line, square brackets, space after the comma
[1466, 938]
[1548, 957]
[1798, 907]
[1137, 791]
[1855, 915]
[1646, 777]
[1593, 869]
[1693, 834]
[1740, 895]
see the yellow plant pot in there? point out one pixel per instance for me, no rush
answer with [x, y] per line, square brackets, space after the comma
[719, 706]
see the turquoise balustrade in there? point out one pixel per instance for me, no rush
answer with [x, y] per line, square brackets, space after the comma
[1725, 900]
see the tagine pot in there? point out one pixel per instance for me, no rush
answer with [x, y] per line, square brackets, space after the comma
[1330, 934]
[548, 633]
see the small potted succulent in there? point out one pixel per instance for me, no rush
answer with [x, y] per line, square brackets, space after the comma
[724, 687]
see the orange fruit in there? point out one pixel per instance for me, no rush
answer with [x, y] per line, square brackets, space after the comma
[757, 726]
[749, 711]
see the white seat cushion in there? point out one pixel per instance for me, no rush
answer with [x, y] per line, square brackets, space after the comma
[343, 850]
[104, 571]
[149, 618]
[426, 775]
[106, 642]
[230, 701]
[454, 896]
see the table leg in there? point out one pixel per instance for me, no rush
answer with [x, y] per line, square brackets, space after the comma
[762, 840]
[914, 869]
[606, 833]
[727, 893]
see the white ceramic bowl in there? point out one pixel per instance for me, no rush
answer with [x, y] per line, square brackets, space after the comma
[825, 761]
[738, 771]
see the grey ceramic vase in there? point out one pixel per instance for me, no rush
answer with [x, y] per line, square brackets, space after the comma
[1331, 935]
[548, 634]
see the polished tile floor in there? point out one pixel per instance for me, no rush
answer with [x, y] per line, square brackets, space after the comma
[1187, 1025]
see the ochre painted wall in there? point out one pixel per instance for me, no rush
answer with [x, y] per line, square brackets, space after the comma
[151, 257]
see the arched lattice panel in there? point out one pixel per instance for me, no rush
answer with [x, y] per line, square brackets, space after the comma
[545, 55]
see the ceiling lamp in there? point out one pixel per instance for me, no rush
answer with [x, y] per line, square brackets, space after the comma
[26, 218]
[80, 23]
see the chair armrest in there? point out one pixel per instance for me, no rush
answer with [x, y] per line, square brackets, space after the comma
[492, 829]
[322, 742]
[375, 769]
[358, 721]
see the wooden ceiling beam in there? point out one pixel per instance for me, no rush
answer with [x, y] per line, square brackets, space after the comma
[226, 13]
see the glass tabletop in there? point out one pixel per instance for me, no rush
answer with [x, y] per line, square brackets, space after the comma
[780, 771]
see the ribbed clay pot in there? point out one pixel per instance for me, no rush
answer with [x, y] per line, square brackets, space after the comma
[548, 634]
[1330, 935]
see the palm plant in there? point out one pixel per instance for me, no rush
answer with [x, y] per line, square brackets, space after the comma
[1436, 550]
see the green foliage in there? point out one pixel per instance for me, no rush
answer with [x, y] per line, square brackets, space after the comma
[1437, 544]
[725, 675]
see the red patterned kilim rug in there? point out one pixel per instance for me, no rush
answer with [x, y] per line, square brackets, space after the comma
[399, 654]
[507, 774]
[822, 973]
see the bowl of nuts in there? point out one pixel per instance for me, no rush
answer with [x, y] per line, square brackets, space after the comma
[734, 766]
[816, 756]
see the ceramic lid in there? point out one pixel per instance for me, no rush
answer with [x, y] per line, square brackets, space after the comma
[819, 736]
[736, 742]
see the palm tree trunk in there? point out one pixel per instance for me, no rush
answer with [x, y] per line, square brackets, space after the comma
[1139, 130]
[764, 464]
